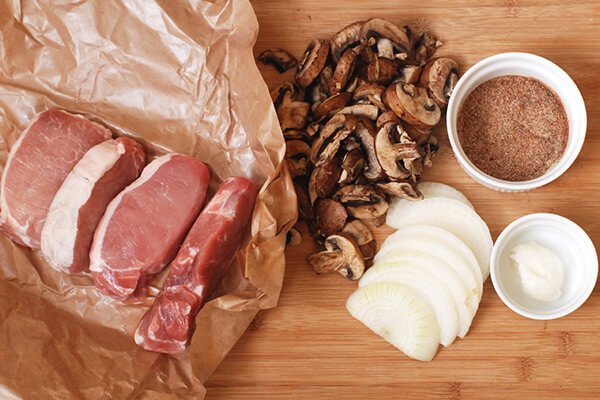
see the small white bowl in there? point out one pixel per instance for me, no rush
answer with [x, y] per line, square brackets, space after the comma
[568, 241]
[530, 65]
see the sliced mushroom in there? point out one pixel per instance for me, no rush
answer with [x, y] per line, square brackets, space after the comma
[369, 111]
[363, 237]
[297, 153]
[391, 40]
[379, 221]
[408, 74]
[439, 77]
[431, 147]
[330, 216]
[412, 104]
[323, 179]
[370, 93]
[381, 71]
[331, 105]
[284, 93]
[318, 90]
[365, 134]
[352, 166]
[348, 37]
[343, 71]
[331, 148]
[293, 115]
[342, 255]
[354, 83]
[313, 61]
[304, 204]
[425, 48]
[419, 135]
[404, 189]
[335, 131]
[350, 143]
[384, 118]
[294, 238]
[391, 156]
[313, 129]
[295, 134]
[279, 58]
[362, 201]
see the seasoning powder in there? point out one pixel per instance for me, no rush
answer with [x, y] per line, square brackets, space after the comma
[513, 128]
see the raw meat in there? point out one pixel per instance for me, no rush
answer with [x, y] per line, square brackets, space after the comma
[144, 225]
[198, 268]
[96, 179]
[37, 165]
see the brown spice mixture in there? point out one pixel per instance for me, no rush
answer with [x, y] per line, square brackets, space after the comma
[513, 127]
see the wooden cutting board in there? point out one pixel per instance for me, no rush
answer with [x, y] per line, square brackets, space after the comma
[310, 348]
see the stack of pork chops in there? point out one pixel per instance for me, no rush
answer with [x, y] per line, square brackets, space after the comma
[90, 203]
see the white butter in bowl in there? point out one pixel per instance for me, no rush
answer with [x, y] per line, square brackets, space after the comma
[543, 266]
[540, 269]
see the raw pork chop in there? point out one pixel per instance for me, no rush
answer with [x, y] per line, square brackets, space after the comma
[97, 178]
[198, 268]
[144, 225]
[38, 163]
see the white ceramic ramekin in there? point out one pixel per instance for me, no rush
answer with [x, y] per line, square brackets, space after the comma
[568, 241]
[523, 64]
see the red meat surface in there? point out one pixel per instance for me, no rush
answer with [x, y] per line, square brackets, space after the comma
[143, 226]
[104, 171]
[37, 165]
[198, 268]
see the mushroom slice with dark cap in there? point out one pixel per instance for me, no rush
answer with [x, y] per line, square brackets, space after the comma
[337, 128]
[343, 71]
[285, 92]
[330, 216]
[425, 48]
[304, 204]
[363, 237]
[404, 189]
[331, 105]
[297, 153]
[352, 166]
[279, 58]
[365, 134]
[439, 77]
[348, 37]
[362, 201]
[392, 41]
[324, 179]
[412, 104]
[318, 90]
[296, 134]
[313, 61]
[369, 111]
[342, 255]
[369, 93]
[381, 71]
[293, 115]
[392, 155]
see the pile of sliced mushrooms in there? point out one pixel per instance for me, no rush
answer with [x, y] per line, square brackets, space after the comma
[358, 121]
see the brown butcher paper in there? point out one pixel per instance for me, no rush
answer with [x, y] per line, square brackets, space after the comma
[177, 75]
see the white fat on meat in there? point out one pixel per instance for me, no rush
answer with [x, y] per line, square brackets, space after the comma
[60, 229]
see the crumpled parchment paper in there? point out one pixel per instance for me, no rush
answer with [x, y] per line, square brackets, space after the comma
[177, 75]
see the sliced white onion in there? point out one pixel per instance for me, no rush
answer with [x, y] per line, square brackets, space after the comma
[400, 316]
[452, 216]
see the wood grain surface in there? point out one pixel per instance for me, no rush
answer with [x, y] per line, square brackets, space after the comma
[310, 348]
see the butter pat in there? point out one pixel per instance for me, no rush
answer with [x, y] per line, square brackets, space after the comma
[540, 269]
